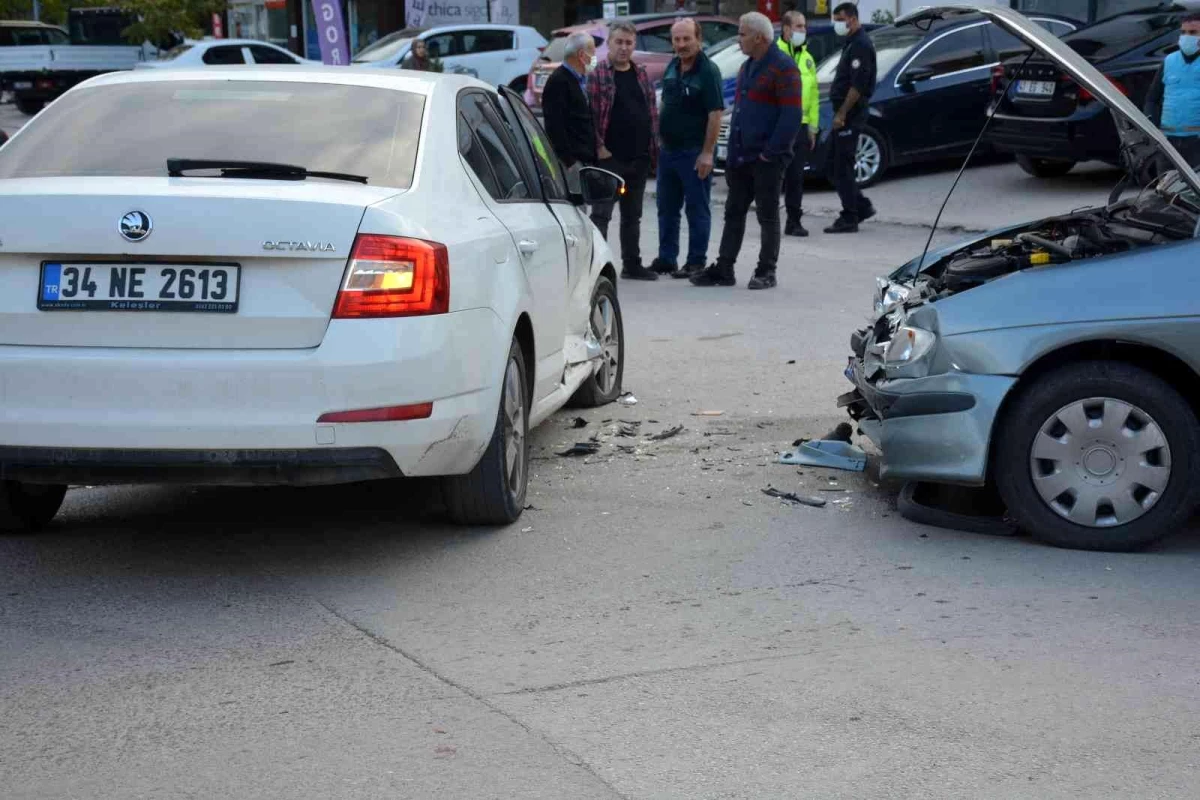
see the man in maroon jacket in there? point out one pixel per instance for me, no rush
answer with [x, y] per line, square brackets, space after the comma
[626, 114]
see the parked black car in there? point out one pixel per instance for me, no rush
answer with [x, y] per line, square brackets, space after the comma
[934, 86]
[1051, 124]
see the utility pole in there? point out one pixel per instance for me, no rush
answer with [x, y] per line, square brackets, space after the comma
[37, 11]
[488, 3]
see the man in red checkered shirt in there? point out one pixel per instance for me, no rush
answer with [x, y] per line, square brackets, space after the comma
[626, 114]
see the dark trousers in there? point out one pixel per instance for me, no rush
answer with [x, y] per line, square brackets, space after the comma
[759, 183]
[635, 174]
[1188, 147]
[679, 188]
[793, 180]
[845, 154]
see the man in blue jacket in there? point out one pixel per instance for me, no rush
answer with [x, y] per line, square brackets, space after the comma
[1174, 99]
[767, 114]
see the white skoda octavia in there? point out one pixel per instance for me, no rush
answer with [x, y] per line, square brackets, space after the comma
[293, 275]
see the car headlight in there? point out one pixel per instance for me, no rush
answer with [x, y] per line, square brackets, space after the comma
[906, 353]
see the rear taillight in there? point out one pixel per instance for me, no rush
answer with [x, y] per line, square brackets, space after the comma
[997, 78]
[390, 276]
[1086, 97]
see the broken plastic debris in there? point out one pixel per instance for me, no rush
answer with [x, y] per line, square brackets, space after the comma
[582, 449]
[667, 434]
[815, 502]
[627, 399]
[579, 422]
[828, 454]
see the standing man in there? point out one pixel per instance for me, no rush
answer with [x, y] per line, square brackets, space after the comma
[1174, 99]
[688, 127]
[852, 88]
[626, 115]
[793, 41]
[766, 121]
[566, 112]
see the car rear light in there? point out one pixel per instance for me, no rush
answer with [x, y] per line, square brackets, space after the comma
[390, 276]
[1086, 97]
[997, 78]
[385, 414]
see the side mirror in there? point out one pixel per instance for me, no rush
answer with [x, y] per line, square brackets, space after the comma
[916, 75]
[590, 185]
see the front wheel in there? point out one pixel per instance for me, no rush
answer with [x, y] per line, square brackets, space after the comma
[870, 158]
[606, 327]
[494, 492]
[29, 506]
[1099, 455]
[1045, 167]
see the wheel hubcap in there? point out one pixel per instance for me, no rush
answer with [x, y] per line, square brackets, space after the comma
[514, 427]
[1100, 462]
[604, 328]
[867, 158]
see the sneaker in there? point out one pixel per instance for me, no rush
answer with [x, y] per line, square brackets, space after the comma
[843, 225]
[869, 212]
[794, 228]
[688, 270]
[713, 276]
[636, 272]
[662, 267]
[763, 281]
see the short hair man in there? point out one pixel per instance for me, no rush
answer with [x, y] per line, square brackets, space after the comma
[626, 115]
[688, 126]
[566, 112]
[1174, 99]
[766, 121]
[850, 95]
[793, 40]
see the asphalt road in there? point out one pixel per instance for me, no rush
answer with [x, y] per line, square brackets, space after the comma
[654, 627]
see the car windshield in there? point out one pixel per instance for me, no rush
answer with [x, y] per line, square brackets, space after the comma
[175, 52]
[1121, 34]
[728, 58]
[132, 129]
[388, 46]
[891, 45]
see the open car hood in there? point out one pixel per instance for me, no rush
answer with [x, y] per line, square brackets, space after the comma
[1141, 140]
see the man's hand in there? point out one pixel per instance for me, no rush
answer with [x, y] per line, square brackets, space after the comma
[604, 153]
[839, 122]
[704, 165]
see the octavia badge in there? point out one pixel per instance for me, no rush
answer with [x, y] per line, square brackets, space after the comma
[136, 226]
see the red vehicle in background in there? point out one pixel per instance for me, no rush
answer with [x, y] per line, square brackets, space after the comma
[653, 51]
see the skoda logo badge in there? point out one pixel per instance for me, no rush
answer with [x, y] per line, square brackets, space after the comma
[136, 225]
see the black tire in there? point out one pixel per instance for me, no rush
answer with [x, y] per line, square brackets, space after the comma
[1045, 167]
[884, 157]
[29, 506]
[29, 107]
[1040, 403]
[486, 495]
[598, 390]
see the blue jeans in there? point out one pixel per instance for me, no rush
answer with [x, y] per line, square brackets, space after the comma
[680, 187]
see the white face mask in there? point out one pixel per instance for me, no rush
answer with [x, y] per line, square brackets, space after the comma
[591, 65]
[799, 38]
[841, 28]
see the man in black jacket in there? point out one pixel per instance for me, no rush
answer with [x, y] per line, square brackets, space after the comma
[566, 110]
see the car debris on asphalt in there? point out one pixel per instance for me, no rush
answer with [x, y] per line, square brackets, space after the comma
[827, 453]
[815, 502]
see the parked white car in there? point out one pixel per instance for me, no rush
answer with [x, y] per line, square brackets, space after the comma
[500, 55]
[390, 277]
[223, 53]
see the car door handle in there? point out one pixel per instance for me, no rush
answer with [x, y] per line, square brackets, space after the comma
[511, 58]
[527, 246]
[572, 240]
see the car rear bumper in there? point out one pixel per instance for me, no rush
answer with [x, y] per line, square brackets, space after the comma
[1075, 138]
[936, 428]
[236, 411]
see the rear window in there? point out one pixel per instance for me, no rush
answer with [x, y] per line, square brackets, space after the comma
[389, 46]
[100, 28]
[556, 51]
[132, 129]
[175, 52]
[1118, 35]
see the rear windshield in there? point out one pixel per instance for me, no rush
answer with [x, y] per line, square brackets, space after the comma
[132, 129]
[175, 52]
[1112, 37]
[556, 51]
[100, 28]
[388, 46]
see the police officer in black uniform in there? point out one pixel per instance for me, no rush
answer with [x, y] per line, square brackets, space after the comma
[851, 92]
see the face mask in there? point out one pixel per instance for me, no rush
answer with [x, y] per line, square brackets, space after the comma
[1189, 44]
[841, 28]
[591, 66]
[799, 38]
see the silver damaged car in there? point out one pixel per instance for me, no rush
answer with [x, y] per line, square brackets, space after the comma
[1059, 359]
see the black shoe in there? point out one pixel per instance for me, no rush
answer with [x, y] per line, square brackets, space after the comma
[661, 267]
[688, 270]
[636, 272]
[794, 228]
[843, 225]
[713, 276]
[869, 212]
[764, 281]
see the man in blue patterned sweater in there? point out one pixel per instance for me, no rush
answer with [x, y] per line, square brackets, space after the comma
[767, 115]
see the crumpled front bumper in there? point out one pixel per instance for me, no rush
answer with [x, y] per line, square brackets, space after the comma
[936, 428]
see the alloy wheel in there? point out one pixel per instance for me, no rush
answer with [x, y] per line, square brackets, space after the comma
[1100, 462]
[514, 426]
[605, 330]
[868, 157]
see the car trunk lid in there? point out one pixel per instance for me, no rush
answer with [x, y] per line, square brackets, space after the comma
[282, 247]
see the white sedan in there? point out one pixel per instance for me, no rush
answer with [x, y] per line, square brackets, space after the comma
[223, 53]
[392, 276]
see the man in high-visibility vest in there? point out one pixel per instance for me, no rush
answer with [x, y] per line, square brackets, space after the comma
[792, 40]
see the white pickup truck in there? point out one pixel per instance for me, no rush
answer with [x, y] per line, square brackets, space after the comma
[39, 62]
